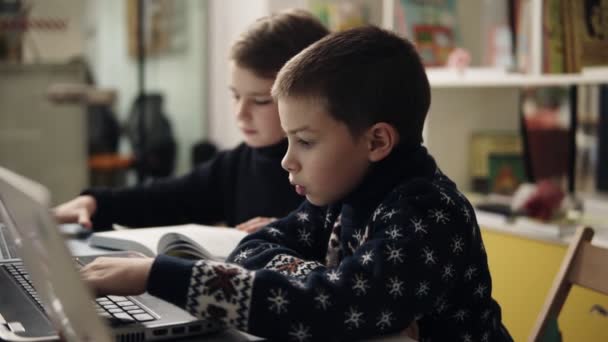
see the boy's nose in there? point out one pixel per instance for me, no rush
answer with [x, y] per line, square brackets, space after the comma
[288, 163]
[242, 110]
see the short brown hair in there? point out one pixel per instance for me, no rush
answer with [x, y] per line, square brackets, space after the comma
[363, 76]
[272, 40]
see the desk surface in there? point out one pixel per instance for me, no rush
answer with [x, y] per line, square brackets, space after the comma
[81, 248]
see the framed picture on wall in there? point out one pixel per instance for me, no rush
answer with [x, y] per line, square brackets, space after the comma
[586, 33]
[431, 25]
[434, 43]
[484, 144]
[164, 23]
[506, 172]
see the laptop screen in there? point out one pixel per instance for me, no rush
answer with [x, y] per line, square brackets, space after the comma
[38, 242]
[7, 246]
[8, 250]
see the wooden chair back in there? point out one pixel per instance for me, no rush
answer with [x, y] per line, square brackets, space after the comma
[584, 265]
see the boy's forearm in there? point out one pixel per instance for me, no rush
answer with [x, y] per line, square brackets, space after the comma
[157, 204]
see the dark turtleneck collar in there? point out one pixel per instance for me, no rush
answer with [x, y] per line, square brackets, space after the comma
[404, 162]
[272, 152]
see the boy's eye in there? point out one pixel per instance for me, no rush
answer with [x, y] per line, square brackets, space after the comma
[262, 102]
[304, 143]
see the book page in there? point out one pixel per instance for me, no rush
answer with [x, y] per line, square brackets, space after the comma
[143, 240]
[201, 242]
[189, 240]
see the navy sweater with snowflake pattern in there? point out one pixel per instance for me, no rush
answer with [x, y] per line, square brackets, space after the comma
[403, 247]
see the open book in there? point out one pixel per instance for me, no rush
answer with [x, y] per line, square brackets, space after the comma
[190, 241]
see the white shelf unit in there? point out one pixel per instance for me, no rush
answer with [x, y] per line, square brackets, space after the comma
[488, 77]
[476, 100]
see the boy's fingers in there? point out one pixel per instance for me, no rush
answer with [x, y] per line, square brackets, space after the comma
[63, 217]
[250, 227]
[254, 220]
[254, 228]
[245, 225]
[260, 225]
[84, 219]
[255, 224]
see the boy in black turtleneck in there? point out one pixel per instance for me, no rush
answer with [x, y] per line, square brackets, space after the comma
[243, 187]
[385, 241]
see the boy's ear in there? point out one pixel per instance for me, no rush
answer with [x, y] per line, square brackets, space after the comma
[381, 139]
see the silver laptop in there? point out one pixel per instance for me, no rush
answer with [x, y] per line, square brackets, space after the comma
[43, 296]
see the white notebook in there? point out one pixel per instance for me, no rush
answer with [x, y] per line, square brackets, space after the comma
[191, 241]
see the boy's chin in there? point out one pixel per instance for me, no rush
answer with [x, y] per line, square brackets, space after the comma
[317, 201]
[254, 143]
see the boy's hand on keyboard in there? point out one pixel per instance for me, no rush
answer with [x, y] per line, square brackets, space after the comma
[117, 276]
[79, 210]
[253, 225]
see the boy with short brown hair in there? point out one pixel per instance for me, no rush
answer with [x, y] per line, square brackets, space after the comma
[244, 186]
[384, 240]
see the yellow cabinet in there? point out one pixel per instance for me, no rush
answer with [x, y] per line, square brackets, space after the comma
[523, 270]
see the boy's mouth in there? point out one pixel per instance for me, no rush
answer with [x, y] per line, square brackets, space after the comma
[249, 131]
[300, 190]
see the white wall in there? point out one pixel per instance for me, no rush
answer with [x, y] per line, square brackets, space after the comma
[179, 75]
[227, 19]
[54, 45]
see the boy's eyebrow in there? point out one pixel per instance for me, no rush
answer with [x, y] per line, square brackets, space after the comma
[250, 94]
[296, 130]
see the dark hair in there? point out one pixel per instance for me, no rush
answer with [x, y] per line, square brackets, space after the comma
[363, 76]
[272, 40]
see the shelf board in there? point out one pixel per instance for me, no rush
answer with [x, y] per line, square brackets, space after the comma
[487, 77]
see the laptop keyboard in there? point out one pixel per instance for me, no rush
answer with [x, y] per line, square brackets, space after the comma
[18, 273]
[122, 309]
[116, 309]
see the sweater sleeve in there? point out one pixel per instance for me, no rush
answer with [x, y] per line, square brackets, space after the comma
[194, 197]
[410, 255]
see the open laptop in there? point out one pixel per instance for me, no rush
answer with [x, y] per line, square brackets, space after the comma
[42, 294]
